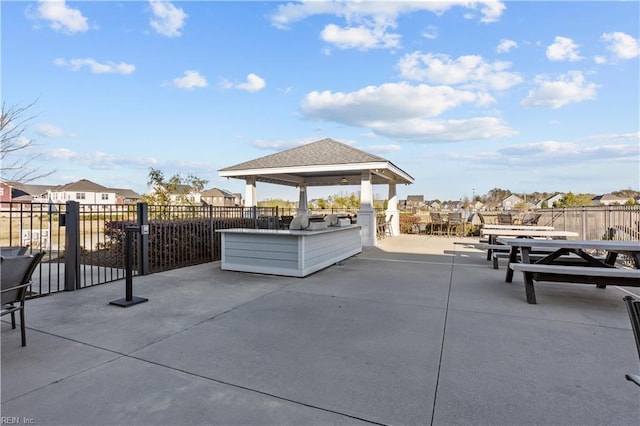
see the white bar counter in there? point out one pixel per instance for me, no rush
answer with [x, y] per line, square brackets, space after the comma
[290, 253]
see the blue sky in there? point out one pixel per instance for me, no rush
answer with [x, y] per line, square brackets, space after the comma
[464, 96]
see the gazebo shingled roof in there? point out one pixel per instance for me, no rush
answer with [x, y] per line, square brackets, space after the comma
[324, 162]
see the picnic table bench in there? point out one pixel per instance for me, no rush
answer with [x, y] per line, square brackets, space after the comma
[583, 268]
[600, 276]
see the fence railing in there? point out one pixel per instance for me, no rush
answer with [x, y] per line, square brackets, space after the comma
[84, 244]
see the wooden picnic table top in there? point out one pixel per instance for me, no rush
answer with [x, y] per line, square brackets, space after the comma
[529, 227]
[529, 233]
[608, 245]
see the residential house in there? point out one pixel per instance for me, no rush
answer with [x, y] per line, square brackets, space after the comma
[549, 202]
[126, 196]
[83, 191]
[510, 202]
[609, 200]
[219, 197]
[184, 194]
[5, 192]
[415, 201]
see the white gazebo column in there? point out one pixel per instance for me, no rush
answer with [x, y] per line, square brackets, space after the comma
[302, 201]
[392, 210]
[366, 214]
[250, 198]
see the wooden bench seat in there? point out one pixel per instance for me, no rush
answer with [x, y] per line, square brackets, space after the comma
[601, 277]
[540, 254]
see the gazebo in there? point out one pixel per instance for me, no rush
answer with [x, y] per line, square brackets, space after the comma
[326, 163]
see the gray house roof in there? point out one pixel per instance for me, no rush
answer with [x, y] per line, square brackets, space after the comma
[82, 185]
[324, 162]
[216, 192]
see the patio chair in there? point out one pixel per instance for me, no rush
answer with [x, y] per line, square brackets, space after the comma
[13, 251]
[531, 218]
[505, 219]
[15, 277]
[285, 221]
[633, 308]
[455, 223]
[387, 227]
[422, 228]
[438, 223]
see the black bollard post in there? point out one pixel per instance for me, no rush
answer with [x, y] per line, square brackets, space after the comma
[129, 299]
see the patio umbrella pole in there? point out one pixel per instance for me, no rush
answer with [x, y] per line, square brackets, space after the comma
[130, 299]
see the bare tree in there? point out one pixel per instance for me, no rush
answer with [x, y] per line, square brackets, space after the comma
[16, 162]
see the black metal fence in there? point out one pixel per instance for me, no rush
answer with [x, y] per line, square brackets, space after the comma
[84, 244]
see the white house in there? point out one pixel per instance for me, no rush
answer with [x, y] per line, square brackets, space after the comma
[510, 202]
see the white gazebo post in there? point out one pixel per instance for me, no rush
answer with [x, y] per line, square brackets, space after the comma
[302, 201]
[392, 210]
[366, 214]
[250, 198]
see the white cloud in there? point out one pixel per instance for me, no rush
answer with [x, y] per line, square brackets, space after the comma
[191, 80]
[383, 149]
[599, 60]
[359, 37]
[506, 45]
[95, 66]
[167, 19]
[401, 111]
[352, 11]
[51, 131]
[616, 137]
[569, 88]
[622, 45]
[569, 151]
[420, 130]
[100, 160]
[60, 17]
[254, 83]
[471, 71]
[563, 49]
[430, 32]
[387, 102]
[368, 22]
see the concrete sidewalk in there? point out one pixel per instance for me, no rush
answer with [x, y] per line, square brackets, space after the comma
[416, 331]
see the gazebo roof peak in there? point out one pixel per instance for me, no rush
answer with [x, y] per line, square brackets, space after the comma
[323, 162]
[323, 152]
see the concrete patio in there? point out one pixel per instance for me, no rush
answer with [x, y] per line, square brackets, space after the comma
[416, 331]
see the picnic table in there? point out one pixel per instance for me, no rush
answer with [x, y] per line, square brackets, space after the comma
[570, 261]
[529, 227]
[494, 234]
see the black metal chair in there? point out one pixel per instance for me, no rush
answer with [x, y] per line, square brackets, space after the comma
[531, 218]
[505, 219]
[633, 308]
[15, 277]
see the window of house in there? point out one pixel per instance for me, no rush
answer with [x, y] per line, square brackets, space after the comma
[105, 196]
[80, 195]
[1, 191]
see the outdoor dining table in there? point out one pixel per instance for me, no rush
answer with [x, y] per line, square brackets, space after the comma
[493, 235]
[558, 248]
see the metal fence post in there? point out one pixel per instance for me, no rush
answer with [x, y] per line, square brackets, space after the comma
[143, 239]
[212, 234]
[72, 246]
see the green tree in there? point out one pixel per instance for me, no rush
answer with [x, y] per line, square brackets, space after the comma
[575, 200]
[162, 189]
